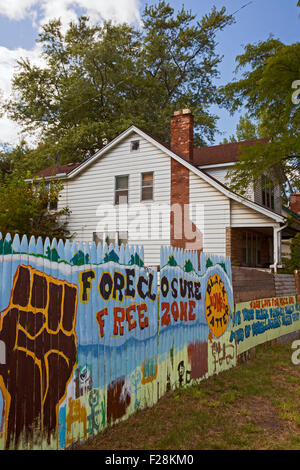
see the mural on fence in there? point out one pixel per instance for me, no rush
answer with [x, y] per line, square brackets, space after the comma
[78, 339]
[263, 320]
[82, 342]
[88, 335]
[196, 317]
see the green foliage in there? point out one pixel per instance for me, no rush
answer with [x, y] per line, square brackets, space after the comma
[292, 262]
[24, 208]
[98, 80]
[265, 89]
[245, 130]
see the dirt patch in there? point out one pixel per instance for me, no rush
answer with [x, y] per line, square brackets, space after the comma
[264, 414]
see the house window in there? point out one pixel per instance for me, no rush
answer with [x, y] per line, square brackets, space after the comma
[134, 145]
[147, 186]
[121, 189]
[252, 247]
[52, 203]
[267, 189]
[116, 238]
[122, 238]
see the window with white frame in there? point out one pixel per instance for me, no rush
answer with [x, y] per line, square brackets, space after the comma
[147, 186]
[121, 189]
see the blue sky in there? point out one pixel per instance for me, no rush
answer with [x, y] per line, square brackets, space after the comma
[20, 21]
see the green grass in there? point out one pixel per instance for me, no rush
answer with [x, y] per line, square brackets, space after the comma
[253, 406]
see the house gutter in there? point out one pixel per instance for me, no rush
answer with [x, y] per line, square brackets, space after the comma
[47, 178]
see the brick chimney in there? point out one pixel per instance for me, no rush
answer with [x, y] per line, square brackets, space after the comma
[182, 134]
[295, 203]
[182, 129]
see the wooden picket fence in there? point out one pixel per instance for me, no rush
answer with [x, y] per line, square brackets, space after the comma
[89, 334]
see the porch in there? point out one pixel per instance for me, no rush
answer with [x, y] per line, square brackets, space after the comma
[257, 247]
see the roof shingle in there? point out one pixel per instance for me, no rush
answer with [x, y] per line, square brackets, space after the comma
[223, 153]
[56, 169]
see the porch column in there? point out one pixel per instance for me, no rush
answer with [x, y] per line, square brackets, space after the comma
[275, 248]
[277, 245]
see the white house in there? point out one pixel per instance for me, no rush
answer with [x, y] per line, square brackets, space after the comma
[139, 191]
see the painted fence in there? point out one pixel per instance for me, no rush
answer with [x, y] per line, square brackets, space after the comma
[263, 320]
[86, 339]
[88, 334]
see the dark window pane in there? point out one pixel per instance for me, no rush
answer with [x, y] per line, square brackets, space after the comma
[135, 145]
[244, 256]
[109, 237]
[122, 182]
[97, 237]
[53, 205]
[147, 193]
[259, 257]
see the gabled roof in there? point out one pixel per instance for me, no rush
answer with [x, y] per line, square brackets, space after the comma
[223, 153]
[57, 170]
[192, 167]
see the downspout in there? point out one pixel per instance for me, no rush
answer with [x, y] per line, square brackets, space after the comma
[276, 245]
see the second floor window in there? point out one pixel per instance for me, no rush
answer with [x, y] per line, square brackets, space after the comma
[121, 189]
[147, 186]
[267, 189]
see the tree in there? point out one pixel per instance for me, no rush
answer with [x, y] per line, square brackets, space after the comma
[24, 208]
[14, 159]
[292, 260]
[266, 91]
[98, 80]
[245, 130]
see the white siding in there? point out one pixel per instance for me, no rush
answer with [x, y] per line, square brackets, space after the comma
[94, 187]
[216, 214]
[220, 175]
[243, 216]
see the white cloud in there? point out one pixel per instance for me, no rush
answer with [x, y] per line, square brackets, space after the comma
[40, 12]
[17, 9]
[9, 131]
[98, 10]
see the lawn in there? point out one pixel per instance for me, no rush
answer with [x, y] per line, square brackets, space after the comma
[253, 406]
